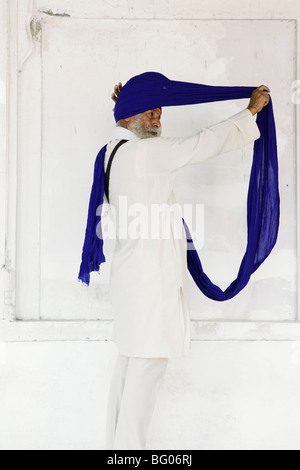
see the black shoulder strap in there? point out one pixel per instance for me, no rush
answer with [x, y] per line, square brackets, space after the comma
[107, 174]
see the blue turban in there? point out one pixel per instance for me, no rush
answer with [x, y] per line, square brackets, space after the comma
[153, 90]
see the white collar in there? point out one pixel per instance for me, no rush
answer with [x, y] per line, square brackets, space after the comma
[120, 133]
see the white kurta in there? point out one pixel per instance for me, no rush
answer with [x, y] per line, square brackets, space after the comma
[149, 277]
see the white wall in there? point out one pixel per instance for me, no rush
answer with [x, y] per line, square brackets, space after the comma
[81, 59]
[239, 389]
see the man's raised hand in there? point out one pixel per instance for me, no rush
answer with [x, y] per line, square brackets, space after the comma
[259, 99]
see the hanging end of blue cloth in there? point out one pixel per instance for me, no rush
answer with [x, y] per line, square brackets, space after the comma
[88, 267]
[84, 279]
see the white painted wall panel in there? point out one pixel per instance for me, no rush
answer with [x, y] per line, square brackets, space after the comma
[82, 59]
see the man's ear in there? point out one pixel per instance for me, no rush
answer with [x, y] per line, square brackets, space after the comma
[123, 123]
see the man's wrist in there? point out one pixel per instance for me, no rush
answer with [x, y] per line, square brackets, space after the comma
[253, 110]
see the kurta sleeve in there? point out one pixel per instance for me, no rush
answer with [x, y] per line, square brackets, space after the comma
[163, 155]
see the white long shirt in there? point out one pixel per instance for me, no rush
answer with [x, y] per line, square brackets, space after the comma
[149, 276]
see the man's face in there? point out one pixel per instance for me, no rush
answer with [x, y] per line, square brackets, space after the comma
[146, 125]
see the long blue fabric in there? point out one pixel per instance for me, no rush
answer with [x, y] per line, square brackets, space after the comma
[152, 90]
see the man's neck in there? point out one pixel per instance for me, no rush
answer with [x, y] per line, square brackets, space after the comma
[121, 132]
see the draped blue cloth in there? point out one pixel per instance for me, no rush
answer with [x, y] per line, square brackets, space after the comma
[153, 90]
[92, 253]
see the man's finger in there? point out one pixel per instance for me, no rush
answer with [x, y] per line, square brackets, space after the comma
[118, 88]
[264, 88]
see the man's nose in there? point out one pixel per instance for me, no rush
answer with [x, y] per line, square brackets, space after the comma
[156, 122]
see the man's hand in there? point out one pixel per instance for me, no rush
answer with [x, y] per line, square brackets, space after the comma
[115, 94]
[259, 99]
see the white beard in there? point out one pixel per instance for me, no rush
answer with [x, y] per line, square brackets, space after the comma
[137, 128]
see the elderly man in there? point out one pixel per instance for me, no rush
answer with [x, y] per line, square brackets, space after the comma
[149, 275]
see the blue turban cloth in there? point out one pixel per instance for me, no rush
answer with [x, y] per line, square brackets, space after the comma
[153, 90]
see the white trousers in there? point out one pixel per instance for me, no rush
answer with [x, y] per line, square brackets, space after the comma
[133, 393]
